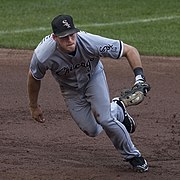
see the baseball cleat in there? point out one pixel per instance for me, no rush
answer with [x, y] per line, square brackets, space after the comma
[139, 164]
[128, 121]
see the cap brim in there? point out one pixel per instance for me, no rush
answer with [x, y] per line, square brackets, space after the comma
[67, 33]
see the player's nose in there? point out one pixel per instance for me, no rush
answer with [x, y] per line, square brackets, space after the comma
[70, 38]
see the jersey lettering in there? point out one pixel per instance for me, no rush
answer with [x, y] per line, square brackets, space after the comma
[67, 70]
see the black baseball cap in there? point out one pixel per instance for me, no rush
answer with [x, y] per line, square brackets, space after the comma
[62, 26]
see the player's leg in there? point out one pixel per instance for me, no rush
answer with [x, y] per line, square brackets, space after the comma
[98, 95]
[81, 113]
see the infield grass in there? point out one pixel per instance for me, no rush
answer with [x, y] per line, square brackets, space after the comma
[152, 26]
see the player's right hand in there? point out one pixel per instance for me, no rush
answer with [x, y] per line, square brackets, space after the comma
[37, 114]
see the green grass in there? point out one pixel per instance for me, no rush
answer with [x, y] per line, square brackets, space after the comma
[20, 20]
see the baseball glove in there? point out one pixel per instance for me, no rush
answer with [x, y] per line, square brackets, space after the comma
[135, 95]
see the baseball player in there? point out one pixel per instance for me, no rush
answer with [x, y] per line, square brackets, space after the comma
[73, 57]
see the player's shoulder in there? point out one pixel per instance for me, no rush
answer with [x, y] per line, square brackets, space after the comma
[93, 38]
[45, 48]
[88, 39]
[86, 35]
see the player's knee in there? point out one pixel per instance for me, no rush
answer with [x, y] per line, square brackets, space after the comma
[106, 123]
[94, 132]
[90, 134]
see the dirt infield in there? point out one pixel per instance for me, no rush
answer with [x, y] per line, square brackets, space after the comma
[58, 150]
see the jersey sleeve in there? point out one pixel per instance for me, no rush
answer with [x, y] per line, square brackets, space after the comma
[40, 62]
[110, 48]
[37, 68]
[101, 46]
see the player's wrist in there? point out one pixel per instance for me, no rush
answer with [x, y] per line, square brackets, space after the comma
[139, 79]
[33, 105]
[138, 71]
[139, 75]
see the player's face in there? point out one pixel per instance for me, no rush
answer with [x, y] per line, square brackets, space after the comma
[67, 44]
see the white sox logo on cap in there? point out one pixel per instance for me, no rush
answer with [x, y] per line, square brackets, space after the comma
[66, 24]
[62, 25]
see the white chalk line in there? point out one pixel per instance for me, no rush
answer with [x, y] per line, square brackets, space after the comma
[94, 24]
[132, 21]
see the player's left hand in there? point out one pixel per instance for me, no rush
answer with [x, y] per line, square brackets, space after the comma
[135, 95]
[143, 86]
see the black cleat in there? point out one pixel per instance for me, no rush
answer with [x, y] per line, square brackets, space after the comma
[139, 164]
[128, 122]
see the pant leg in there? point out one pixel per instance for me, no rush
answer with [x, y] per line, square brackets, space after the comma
[80, 110]
[98, 95]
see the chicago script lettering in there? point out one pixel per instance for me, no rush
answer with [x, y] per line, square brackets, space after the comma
[66, 70]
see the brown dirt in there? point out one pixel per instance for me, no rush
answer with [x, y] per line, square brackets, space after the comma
[58, 150]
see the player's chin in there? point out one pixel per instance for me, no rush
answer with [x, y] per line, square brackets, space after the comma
[71, 48]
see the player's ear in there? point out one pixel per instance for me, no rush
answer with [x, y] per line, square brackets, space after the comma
[54, 36]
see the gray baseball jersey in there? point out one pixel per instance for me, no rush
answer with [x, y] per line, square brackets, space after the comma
[73, 71]
[84, 86]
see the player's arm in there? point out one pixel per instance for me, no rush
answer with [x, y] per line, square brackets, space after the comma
[133, 57]
[33, 86]
[134, 95]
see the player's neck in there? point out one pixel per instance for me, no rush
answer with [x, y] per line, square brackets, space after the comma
[72, 53]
